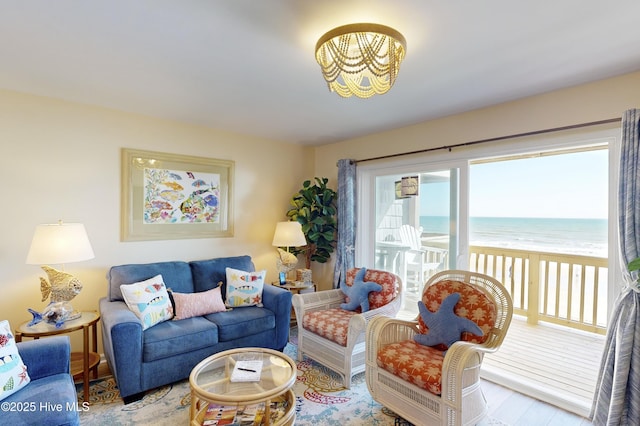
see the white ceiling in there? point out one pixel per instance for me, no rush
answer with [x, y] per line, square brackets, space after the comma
[248, 66]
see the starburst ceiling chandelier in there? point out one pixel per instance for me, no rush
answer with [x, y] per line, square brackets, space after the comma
[360, 59]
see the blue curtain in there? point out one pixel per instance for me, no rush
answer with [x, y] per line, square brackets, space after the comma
[617, 397]
[345, 250]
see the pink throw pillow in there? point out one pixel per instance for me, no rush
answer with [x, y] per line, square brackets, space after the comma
[197, 304]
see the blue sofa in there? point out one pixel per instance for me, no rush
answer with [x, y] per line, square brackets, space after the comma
[50, 398]
[167, 352]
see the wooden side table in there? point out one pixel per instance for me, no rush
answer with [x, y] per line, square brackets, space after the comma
[81, 362]
[295, 289]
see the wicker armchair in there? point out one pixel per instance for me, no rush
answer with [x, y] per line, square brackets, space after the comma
[396, 366]
[335, 337]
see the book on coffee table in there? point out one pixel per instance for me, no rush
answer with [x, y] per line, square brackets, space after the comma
[219, 415]
[247, 371]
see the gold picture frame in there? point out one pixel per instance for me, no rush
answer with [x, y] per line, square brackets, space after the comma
[170, 196]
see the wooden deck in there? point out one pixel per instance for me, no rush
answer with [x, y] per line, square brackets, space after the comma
[550, 363]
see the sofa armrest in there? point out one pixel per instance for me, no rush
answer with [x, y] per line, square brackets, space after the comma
[122, 342]
[46, 357]
[382, 331]
[391, 309]
[317, 301]
[278, 301]
[358, 323]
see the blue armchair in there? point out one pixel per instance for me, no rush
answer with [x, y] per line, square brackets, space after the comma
[50, 398]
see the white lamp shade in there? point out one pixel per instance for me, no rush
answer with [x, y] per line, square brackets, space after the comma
[59, 243]
[289, 234]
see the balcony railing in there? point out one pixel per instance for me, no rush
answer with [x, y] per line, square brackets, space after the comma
[565, 289]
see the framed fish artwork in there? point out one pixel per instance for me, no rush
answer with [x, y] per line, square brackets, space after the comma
[170, 196]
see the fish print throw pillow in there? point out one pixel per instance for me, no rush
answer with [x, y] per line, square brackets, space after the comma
[149, 300]
[244, 288]
[13, 372]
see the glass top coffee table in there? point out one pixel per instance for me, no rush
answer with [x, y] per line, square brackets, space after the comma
[268, 392]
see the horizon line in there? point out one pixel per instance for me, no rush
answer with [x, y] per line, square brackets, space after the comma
[527, 217]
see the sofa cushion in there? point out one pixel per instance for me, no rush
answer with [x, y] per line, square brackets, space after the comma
[56, 390]
[13, 372]
[148, 300]
[208, 273]
[176, 275]
[388, 281]
[244, 288]
[357, 294]
[445, 327]
[417, 364]
[332, 324]
[177, 337]
[474, 305]
[244, 322]
[187, 305]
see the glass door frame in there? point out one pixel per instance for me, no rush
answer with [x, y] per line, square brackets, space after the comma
[366, 176]
[460, 158]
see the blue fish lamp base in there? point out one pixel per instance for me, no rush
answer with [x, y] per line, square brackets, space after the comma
[55, 313]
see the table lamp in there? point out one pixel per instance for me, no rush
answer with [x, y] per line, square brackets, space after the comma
[288, 234]
[60, 243]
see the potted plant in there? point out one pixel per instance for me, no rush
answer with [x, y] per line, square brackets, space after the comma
[314, 207]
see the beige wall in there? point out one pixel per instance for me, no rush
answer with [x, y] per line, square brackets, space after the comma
[595, 101]
[580, 104]
[61, 160]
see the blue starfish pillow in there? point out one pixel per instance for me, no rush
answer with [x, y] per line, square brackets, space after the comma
[445, 327]
[358, 293]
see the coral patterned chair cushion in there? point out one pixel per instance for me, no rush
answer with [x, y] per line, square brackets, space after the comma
[474, 304]
[415, 363]
[422, 365]
[387, 280]
[333, 324]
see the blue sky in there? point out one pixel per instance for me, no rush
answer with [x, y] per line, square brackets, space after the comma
[557, 186]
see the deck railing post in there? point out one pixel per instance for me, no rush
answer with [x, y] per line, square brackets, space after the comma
[542, 291]
[533, 305]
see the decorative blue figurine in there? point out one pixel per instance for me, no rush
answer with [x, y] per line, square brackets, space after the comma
[445, 327]
[358, 293]
[55, 312]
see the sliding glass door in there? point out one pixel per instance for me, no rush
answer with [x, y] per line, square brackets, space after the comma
[413, 224]
[425, 228]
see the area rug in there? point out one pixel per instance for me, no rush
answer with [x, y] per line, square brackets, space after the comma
[320, 400]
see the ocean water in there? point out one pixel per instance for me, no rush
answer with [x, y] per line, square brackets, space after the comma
[574, 236]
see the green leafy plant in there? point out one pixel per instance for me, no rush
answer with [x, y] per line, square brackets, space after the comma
[314, 207]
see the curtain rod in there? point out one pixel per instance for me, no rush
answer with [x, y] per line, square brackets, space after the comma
[498, 138]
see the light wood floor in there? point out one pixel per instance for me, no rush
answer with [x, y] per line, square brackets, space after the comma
[510, 408]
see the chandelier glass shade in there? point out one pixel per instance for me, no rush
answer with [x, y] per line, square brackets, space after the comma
[360, 59]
